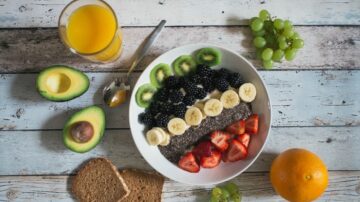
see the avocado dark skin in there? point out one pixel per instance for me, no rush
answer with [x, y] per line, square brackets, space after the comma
[82, 131]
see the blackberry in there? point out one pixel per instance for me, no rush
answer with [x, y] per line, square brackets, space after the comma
[223, 73]
[162, 95]
[200, 93]
[154, 108]
[146, 118]
[203, 70]
[195, 79]
[172, 82]
[180, 110]
[235, 80]
[221, 84]
[162, 120]
[207, 85]
[189, 100]
[176, 96]
[166, 108]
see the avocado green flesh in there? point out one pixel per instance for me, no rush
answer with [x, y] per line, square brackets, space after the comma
[96, 117]
[144, 95]
[159, 73]
[183, 65]
[208, 56]
[61, 83]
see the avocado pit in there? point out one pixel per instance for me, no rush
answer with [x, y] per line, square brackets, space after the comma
[82, 131]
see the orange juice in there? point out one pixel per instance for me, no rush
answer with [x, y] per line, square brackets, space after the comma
[93, 29]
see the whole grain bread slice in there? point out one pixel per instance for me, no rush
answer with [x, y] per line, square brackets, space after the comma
[99, 180]
[144, 186]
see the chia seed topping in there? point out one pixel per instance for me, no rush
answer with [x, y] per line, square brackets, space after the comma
[179, 144]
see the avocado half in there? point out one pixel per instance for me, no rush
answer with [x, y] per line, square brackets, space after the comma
[61, 83]
[96, 117]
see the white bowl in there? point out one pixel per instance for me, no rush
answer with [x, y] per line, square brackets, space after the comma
[225, 171]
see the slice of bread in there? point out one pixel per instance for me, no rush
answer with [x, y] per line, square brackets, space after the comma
[99, 180]
[144, 186]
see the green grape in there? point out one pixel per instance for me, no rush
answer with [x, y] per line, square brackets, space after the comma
[268, 26]
[259, 33]
[288, 32]
[290, 54]
[259, 52]
[283, 45]
[252, 19]
[267, 54]
[295, 36]
[264, 14]
[270, 40]
[232, 188]
[216, 192]
[236, 198]
[225, 193]
[287, 24]
[298, 43]
[257, 25]
[278, 55]
[214, 199]
[268, 64]
[259, 42]
[281, 38]
[278, 24]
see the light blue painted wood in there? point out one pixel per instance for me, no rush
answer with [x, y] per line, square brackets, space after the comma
[299, 98]
[43, 152]
[44, 13]
[343, 186]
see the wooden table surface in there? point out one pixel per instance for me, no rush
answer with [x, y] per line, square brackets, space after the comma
[315, 98]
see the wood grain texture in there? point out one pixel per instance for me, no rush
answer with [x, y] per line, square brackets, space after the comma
[43, 152]
[293, 98]
[30, 50]
[343, 186]
[44, 13]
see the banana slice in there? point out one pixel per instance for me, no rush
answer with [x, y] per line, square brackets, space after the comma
[193, 116]
[247, 92]
[230, 99]
[166, 140]
[213, 107]
[177, 126]
[201, 105]
[215, 94]
[155, 136]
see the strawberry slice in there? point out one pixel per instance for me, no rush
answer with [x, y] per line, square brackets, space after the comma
[236, 151]
[244, 139]
[251, 124]
[211, 161]
[236, 128]
[203, 149]
[219, 139]
[188, 163]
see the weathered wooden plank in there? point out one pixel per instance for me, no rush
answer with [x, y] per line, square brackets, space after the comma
[343, 186]
[325, 47]
[294, 100]
[43, 152]
[44, 13]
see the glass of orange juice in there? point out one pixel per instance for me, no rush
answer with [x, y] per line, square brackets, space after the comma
[90, 29]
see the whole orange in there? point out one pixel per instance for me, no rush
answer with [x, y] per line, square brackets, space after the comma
[299, 175]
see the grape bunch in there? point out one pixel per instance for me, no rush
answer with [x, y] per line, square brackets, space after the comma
[227, 193]
[274, 39]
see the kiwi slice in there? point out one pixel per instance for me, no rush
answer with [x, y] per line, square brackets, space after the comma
[144, 95]
[208, 56]
[183, 65]
[159, 73]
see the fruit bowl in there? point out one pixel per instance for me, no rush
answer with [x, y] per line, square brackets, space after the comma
[225, 171]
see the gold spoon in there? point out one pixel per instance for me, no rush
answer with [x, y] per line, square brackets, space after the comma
[116, 92]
